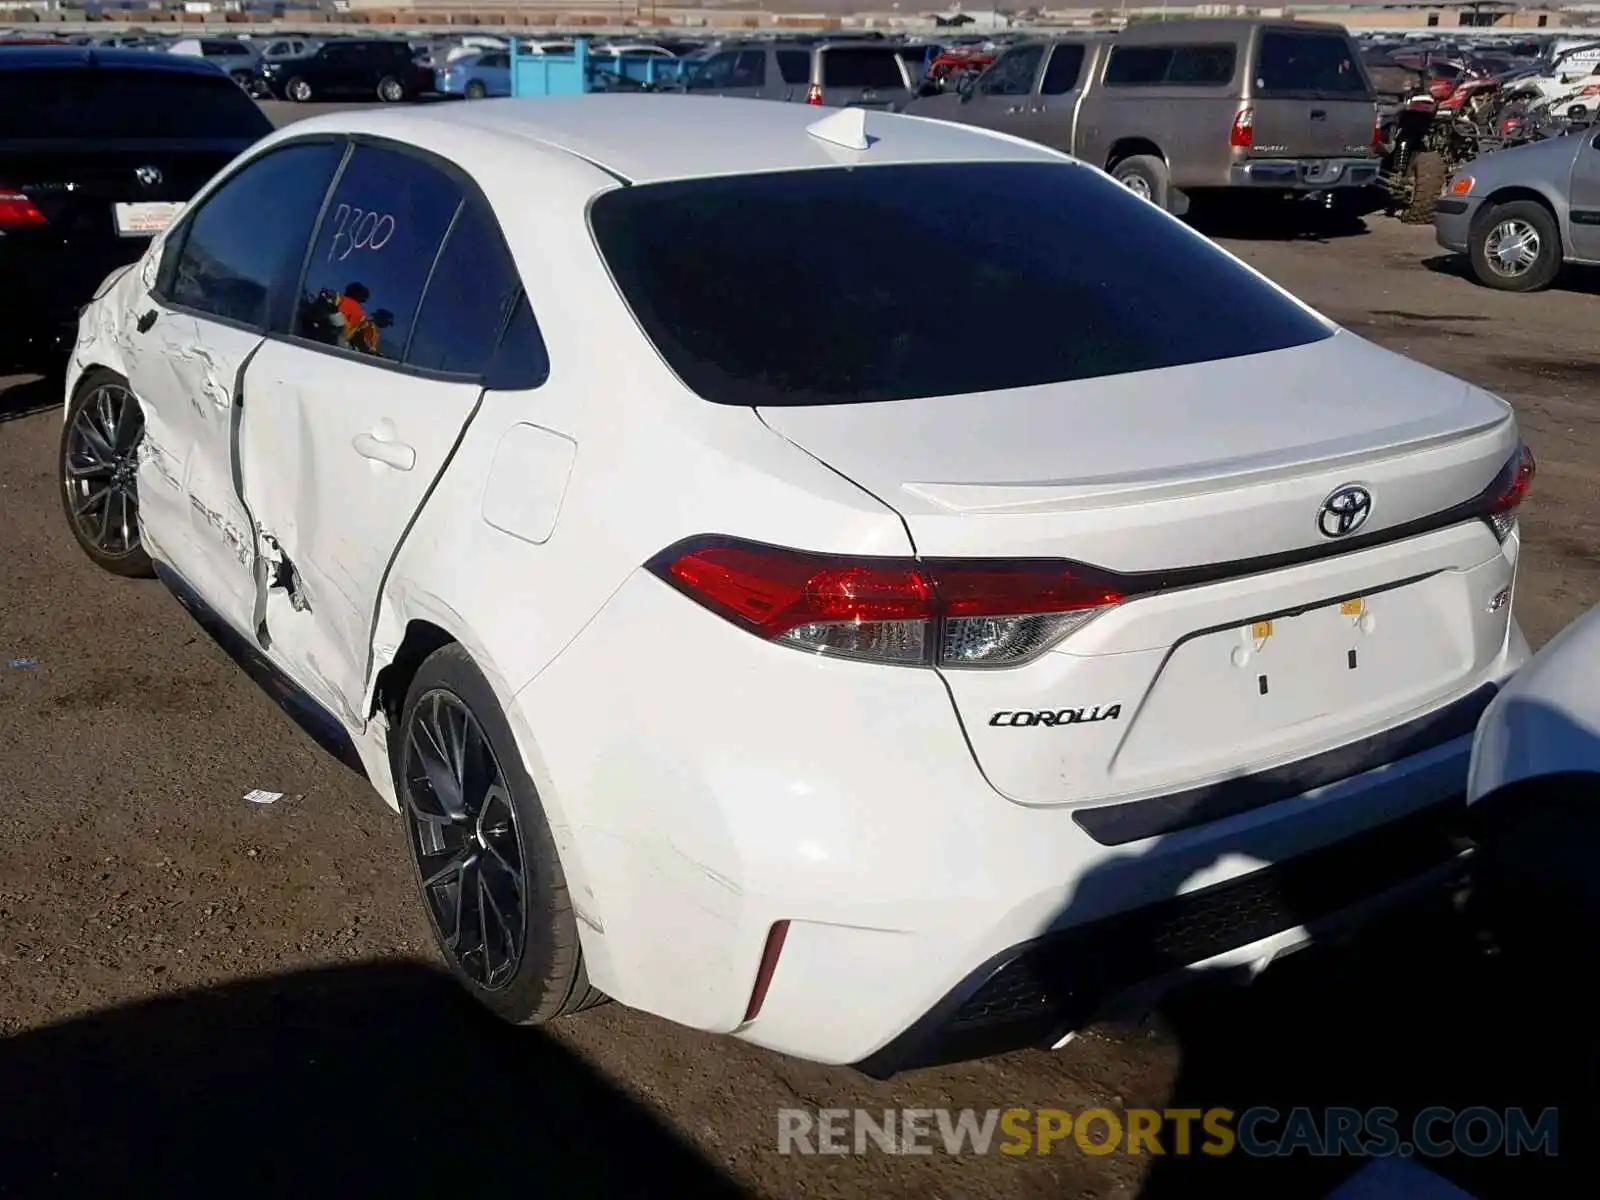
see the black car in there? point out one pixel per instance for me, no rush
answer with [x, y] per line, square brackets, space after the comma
[97, 147]
[348, 68]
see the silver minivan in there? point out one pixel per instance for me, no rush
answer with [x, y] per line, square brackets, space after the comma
[854, 73]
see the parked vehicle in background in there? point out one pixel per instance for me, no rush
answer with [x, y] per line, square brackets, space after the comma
[631, 49]
[1177, 613]
[857, 73]
[1521, 213]
[1175, 108]
[238, 58]
[98, 150]
[347, 69]
[476, 76]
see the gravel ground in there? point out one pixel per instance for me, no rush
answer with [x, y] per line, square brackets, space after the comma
[200, 993]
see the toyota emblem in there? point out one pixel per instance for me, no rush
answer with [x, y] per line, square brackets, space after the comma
[148, 176]
[1345, 511]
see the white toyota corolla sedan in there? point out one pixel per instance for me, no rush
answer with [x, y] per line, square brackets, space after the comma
[870, 586]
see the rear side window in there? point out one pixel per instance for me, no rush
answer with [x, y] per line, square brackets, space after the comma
[1065, 276]
[848, 67]
[216, 49]
[714, 72]
[1066, 64]
[380, 234]
[1135, 66]
[246, 241]
[468, 297]
[103, 102]
[1308, 64]
[795, 66]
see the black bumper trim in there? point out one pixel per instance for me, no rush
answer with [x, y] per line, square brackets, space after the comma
[1135, 820]
[1035, 993]
[1450, 208]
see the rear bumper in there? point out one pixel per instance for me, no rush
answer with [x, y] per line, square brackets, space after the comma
[57, 282]
[1452, 221]
[1304, 174]
[1034, 994]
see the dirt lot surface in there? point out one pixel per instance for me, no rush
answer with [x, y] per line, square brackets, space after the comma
[202, 994]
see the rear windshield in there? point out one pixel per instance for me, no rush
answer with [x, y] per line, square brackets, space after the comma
[1308, 64]
[797, 288]
[101, 102]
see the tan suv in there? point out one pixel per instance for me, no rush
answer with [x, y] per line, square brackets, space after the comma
[1171, 108]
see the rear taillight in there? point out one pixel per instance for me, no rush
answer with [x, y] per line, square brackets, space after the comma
[814, 94]
[914, 612]
[17, 211]
[1508, 492]
[1377, 130]
[1244, 128]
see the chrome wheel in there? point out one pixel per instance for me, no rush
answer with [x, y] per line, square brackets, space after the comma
[391, 92]
[100, 470]
[1512, 248]
[466, 838]
[1138, 185]
[299, 91]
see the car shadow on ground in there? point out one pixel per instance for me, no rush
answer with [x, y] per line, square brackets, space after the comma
[30, 396]
[1584, 280]
[371, 1080]
[1255, 219]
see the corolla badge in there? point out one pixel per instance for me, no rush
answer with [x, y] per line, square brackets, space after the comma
[1345, 511]
[147, 176]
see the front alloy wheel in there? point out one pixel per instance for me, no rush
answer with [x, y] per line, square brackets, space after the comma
[99, 474]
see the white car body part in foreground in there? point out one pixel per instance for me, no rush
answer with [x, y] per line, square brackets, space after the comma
[1546, 721]
[886, 705]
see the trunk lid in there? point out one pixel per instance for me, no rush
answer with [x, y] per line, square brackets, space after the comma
[1242, 642]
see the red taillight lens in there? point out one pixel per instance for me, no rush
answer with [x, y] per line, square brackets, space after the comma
[814, 94]
[1377, 130]
[1244, 128]
[17, 211]
[1510, 490]
[950, 613]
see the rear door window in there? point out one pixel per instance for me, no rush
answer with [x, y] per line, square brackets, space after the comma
[381, 231]
[849, 67]
[468, 298]
[749, 69]
[795, 66]
[1308, 64]
[1012, 73]
[1065, 276]
[104, 102]
[714, 72]
[1066, 64]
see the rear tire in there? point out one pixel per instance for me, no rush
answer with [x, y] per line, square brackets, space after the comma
[391, 90]
[1145, 176]
[1425, 177]
[298, 90]
[96, 468]
[476, 90]
[1515, 247]
[479, 831]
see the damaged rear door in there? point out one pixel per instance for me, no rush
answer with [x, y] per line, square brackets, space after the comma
[355, 412]
[189, 340]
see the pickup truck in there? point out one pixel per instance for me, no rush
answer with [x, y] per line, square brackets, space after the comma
[1172, 108]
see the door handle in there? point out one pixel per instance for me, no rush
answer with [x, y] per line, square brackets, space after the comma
[145, 321]
[1318, 114]
[1014, 108]
[391, 454]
